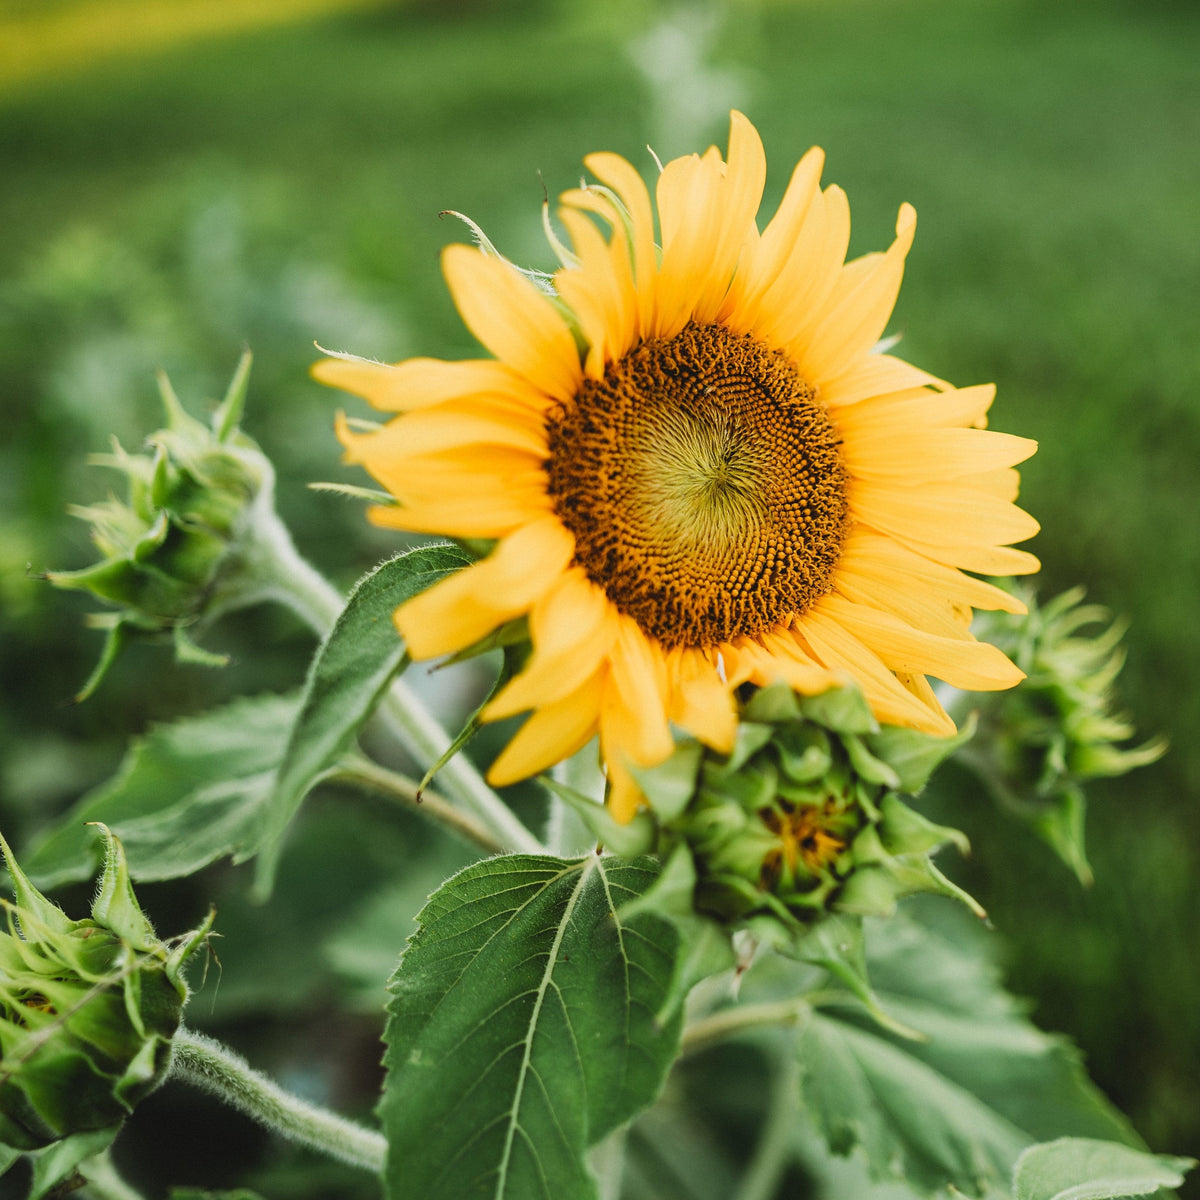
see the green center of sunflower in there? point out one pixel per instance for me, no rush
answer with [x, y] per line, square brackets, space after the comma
[702, 481]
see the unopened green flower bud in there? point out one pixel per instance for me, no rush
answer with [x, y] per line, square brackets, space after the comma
[1048, 736]
[804, 817]
[87, 1008]
[173, 549]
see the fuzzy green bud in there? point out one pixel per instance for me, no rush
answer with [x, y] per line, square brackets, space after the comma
[1044, 739]
[172, 547]
[88, 1008]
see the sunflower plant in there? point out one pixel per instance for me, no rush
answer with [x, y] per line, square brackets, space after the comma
[713, 541]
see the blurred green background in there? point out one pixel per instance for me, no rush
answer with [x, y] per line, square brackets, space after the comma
[180, 177]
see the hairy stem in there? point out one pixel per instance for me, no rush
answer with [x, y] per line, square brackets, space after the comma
[283, 575]
[207, 1064]
[367, 774]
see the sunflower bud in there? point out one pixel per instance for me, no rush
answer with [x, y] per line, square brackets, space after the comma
[804, 817]
[171, 548]
[87, 1008]
[1042, 741]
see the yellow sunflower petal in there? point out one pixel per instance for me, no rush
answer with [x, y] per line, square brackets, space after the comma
[688, 205]
[858, 308]
[938, 513]
[482, 514]
[975, 556]
[700, 701]
[468, 605]
[917, 408]
[573, 628]
[840, 650]
[421, 382]
[482, 473]
[740, 195]
[553, 733]
[777, 658]
[624, 795]
[515, 321]
[964, 663]
[876, 375]
[927, 455]
[810, 273]
[599, 291]
[898, 568]
[450, 425]
[634, 711]
[771, 250]
[618, 174]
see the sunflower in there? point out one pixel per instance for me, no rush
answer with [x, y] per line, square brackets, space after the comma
[699, 471]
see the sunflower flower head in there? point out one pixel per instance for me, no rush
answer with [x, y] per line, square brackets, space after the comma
[1047, 738]
[172, 547]
[87, 1008]
[695, 471]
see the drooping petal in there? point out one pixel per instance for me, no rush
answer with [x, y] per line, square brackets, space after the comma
[961, 662]
[573, 628]
[635, 697]
[840, 650]
[468, 605]
[701, 702]
[555, 731]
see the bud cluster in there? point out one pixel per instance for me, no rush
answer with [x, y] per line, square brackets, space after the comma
[170, 548]
[804, 817]
[87, 1008]
[1059, 729]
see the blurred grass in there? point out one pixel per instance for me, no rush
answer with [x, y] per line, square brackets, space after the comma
[283, 185]
[44, 38]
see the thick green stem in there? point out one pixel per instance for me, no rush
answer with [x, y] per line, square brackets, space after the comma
[367, 774]
[206, 1063]
[706, 1030]
[566, 833]
[428, 741]
[280, 573]
[774, 1150]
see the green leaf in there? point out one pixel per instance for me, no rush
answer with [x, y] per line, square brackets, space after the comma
[958, 1107]
[915, 756]
[199, 1194]
[187, 793]
[1085, 1169]
[522, 1028]
[348, 674]
[59, 1161]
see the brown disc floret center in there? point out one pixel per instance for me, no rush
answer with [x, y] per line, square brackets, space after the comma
[702, 481]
